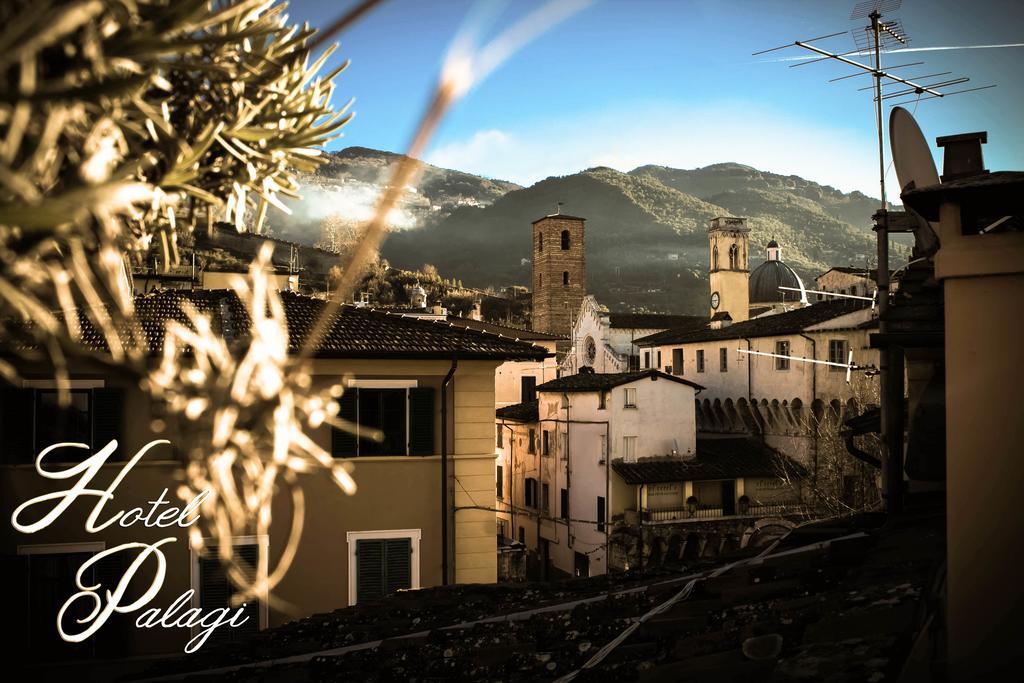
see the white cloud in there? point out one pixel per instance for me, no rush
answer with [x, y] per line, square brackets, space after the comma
[671, 135]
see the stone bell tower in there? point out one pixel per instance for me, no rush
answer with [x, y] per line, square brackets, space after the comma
[728, 239]
[559, 272]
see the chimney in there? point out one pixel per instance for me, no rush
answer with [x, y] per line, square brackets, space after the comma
[963, 156]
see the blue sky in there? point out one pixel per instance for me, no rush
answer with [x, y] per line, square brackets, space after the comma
[629, 82]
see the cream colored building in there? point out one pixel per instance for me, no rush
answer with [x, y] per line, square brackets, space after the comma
[395, 370]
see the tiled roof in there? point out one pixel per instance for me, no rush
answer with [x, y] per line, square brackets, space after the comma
[559, 215]
[598, 381]
[715, 459]
[520, 412]
[788, 322]
[655, 321]
[505, 331]
[354, 333]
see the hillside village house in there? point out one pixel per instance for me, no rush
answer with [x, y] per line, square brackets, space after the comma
[850, 280]
[413, 380]
[597, 451]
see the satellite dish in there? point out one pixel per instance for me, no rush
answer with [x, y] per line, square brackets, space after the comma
[910, 153]
[915, 167]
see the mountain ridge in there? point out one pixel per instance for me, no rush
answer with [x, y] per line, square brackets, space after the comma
[646, 228]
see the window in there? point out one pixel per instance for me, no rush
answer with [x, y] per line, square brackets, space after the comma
[32, 418]
[723, 359]
[522, 535]
[565, 239]
[734, 258]
[602, 400]
[714, 258]
[545, 497]
[531, 447]
[527, 388]
[677, 361]
[565, 277]
[540, 241]
[629, 448]
[600, 513]
[700, 360]
[658, 364]
[499, 482]
[46, 579]
[214, 590]
[565, 504]
[530, 492]
[381, 563]
[837, 353]
[498, 435]
[782, 349]
[634, 362]
[629, 394]
[545, 442]
[404, 417]
[647, 359]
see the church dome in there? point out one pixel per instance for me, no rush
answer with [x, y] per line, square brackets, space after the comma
[772, 274]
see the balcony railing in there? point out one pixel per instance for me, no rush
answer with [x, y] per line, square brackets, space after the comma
[684, 513]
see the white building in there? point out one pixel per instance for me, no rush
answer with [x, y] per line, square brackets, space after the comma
[556, 492]
[605, 340]
[599, 452]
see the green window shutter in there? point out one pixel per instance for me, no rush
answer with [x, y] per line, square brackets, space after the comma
[107, 409]
[383, 566]
[398, 553]
[343, 443]
[16, 425]
[215, 591]
[369, 569]
[421, 421]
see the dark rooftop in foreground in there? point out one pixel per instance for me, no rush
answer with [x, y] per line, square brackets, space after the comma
[715, 459]
[596, 381]
[788, 322]
[846, 599]
[354, 332]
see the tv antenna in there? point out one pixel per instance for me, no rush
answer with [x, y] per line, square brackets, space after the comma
[878, 37]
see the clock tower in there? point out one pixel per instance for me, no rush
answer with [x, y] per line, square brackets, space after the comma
[728, 239]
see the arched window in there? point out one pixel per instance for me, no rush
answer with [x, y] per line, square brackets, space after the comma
[734, 253]
[714, 258]
[565, 277]
[540, 241]
[565, 239]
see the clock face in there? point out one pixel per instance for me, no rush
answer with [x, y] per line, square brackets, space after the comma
[590, 349]
[715, 300]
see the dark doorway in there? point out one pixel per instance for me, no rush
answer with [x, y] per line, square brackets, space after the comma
[729, 497]
[581, 569]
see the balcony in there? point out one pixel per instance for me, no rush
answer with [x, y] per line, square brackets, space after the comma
[707, 512]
